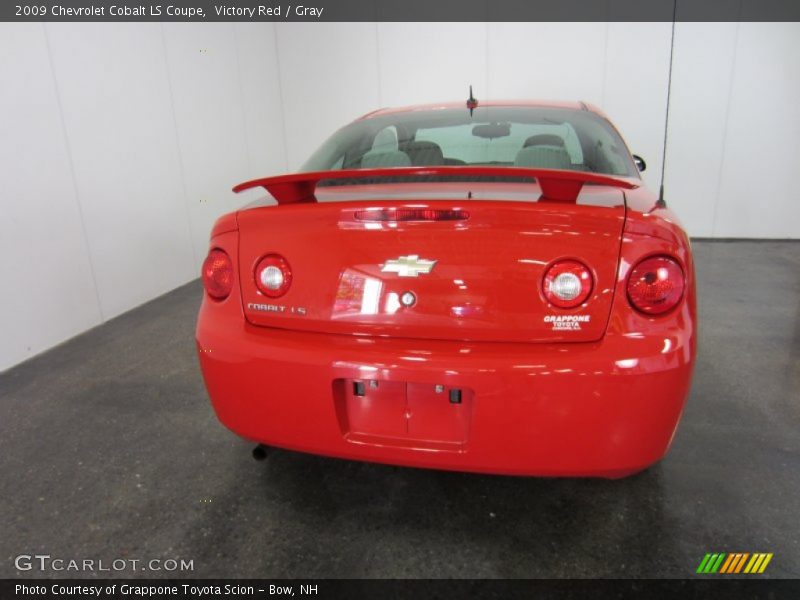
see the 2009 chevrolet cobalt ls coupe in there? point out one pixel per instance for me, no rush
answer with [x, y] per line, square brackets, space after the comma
[487, 289]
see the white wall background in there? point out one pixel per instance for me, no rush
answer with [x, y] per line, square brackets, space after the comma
[119, 142]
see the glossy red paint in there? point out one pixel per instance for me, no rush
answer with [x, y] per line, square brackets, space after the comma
[486, 285]
[480, 373]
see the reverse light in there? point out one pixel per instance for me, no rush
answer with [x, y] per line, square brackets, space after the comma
[412, 214]
[218, 274]
[567, 284]
[655, 285]
[273, 275]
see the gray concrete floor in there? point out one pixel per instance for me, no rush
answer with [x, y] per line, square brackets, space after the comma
[109, 449]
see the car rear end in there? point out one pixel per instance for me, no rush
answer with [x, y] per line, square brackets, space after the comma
[472, 326]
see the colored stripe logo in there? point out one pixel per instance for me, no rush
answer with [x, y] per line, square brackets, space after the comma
[734, 562]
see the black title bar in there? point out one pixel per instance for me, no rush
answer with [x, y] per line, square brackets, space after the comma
[417, 589]
[399, 10]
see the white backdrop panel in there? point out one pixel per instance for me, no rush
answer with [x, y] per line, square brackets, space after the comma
[48, 292]
[207, 92]
[560, 61]
[115, 95]
[261, 99]
[758, 191]
[430, 62]
[701, 85]
[328, 77]
[635, 89]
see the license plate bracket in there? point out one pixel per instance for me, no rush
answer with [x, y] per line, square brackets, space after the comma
[400, 413]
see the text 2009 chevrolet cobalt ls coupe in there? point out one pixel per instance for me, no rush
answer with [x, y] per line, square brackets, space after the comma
[487, 289]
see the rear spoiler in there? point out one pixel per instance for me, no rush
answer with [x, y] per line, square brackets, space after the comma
[557, 185]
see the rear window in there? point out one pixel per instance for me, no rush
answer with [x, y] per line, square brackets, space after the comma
[537, 137]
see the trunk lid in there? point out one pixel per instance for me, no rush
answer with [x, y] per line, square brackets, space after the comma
[478, 279]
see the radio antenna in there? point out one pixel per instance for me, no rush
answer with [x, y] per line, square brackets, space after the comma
[472, 103]
[661, 201]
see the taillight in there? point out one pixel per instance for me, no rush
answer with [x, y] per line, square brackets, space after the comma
[273, 275]
[656, 285]
[218, 274]
[412, 214]
[567, 284]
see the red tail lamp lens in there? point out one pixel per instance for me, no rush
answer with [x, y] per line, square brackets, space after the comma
[567, 284]
[273, 275]
[218, 274]
[656, 285]
[412, 214]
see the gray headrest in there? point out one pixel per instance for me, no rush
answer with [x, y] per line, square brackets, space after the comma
[423, 154]
[376, 160]
[544, 139]
[543, 157]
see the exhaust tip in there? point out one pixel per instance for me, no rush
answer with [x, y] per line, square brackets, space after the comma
[261, 452]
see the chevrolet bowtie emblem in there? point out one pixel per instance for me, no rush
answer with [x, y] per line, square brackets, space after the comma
[408, 266]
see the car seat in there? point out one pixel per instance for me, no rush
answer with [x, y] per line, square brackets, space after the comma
[377, 160]
[423, 154]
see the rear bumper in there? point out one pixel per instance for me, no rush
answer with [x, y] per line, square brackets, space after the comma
[603, 409]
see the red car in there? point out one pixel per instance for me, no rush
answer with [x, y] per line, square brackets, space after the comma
[488, 288]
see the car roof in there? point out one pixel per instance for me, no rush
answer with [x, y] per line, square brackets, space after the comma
[574, 105]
